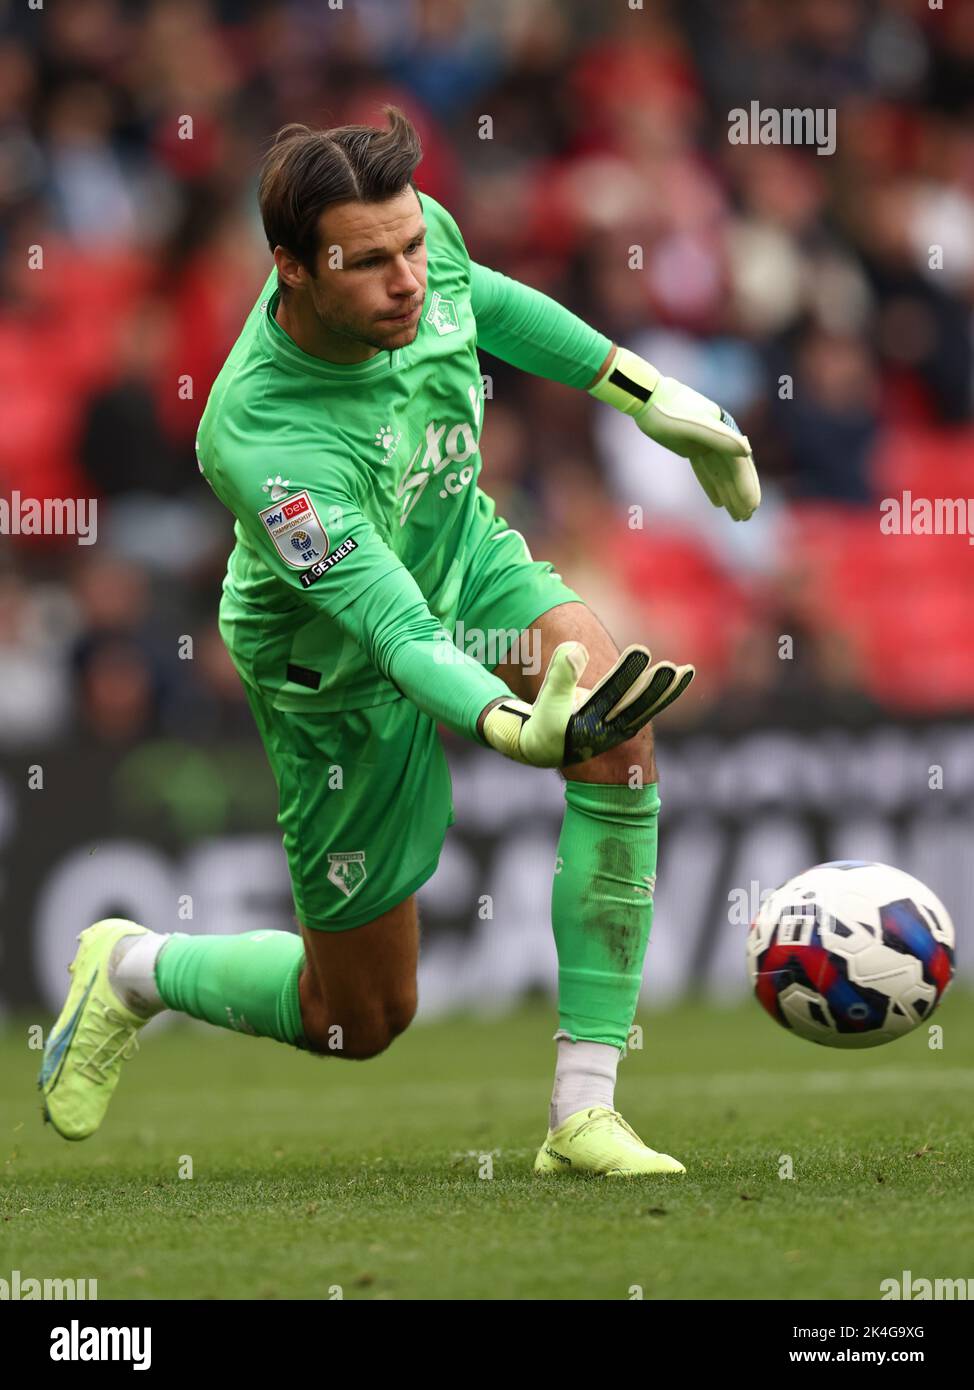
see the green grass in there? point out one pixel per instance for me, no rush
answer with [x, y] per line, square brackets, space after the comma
[310, 1173]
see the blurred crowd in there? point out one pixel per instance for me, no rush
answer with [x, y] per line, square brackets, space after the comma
[826, 301]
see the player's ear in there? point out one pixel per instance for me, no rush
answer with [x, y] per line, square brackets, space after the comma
[289, 268]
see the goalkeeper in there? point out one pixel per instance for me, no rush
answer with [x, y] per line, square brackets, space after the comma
[342, 432]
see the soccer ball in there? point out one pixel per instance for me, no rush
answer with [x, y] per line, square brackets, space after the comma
[851, 954]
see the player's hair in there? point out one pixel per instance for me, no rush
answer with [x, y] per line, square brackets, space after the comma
[306, 170]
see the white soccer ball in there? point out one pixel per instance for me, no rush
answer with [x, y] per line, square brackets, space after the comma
[851, 954]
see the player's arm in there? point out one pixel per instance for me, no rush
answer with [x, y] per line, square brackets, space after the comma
[536, 333]
[344, 568]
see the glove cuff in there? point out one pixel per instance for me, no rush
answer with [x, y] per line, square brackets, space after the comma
[503, 725]
[628, 384]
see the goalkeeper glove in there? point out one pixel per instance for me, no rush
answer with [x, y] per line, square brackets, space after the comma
[568, 724]
[692, 426]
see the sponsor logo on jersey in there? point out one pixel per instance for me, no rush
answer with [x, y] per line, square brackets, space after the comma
[312, 575]
[442, 314]
[387, 439]
[440, 447]
[347, 871]
[277, 487]
[296, 531]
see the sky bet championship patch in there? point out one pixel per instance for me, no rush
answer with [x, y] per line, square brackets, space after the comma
[294, 528]
[321, 567]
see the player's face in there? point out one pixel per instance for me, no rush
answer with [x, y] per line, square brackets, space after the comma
[371, 278]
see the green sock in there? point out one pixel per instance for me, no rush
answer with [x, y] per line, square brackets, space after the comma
[602, 907]
[248, 982]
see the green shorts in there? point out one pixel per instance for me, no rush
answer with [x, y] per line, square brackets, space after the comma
[365, 795]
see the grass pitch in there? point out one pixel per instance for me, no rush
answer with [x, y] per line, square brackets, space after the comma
[311, 1175]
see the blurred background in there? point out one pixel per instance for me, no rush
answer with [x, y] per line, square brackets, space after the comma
[827, 302]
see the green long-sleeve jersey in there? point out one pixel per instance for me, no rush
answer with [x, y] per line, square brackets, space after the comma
[355, 488]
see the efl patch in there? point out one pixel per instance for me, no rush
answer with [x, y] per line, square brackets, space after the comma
[294, 528]
[320, 567]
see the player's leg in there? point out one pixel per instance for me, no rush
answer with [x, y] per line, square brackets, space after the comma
[602, 911]
[365, 802]
[340, 994]
[602, 902]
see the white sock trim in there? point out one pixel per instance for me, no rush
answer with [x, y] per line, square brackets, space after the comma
[132, 971]
[585, 1075]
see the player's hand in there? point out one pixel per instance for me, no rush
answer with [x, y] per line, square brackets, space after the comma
[692, 426]
[698, 429]
[569, 724]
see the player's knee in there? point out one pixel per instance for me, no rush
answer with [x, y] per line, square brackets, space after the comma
[363, 1032]
[632, 763]
[371, 1033]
